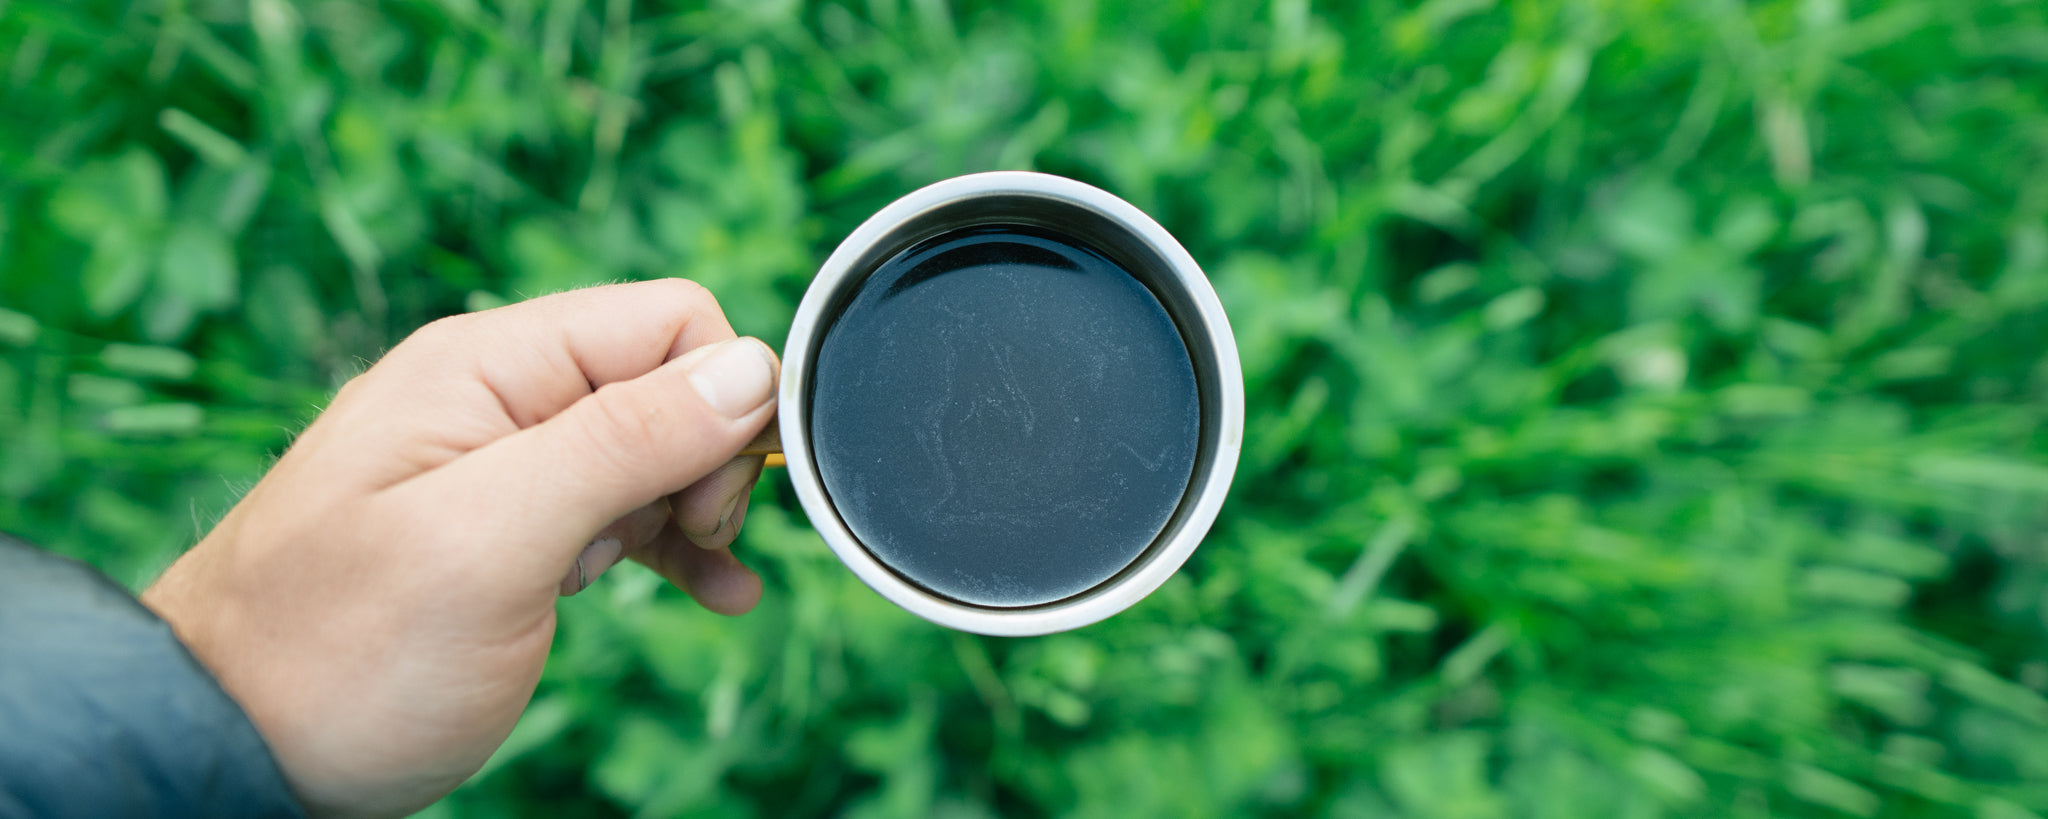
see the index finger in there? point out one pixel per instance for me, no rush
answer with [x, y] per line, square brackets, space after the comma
[465, 381]
[540, 356]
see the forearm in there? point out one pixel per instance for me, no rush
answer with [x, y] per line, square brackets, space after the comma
[103, 712]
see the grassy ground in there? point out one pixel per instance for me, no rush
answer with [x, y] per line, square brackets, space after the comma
[1646, 397]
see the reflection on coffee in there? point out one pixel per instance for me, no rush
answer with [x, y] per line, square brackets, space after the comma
[1004, 417]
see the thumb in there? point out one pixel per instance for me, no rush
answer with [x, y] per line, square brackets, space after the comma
[556, 483]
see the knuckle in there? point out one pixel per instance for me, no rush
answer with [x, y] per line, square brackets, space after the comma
[434, 339]
[355, 385]
[687, 295]
[624, 426]
[683, 290]
[442, 329]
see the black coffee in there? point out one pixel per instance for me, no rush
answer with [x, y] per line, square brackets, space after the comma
[1003, 417]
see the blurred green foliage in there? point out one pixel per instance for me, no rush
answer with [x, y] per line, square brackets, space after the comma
[1646, 397]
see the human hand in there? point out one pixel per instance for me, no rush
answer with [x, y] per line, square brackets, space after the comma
[381, 603]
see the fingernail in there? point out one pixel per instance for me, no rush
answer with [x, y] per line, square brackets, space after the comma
[600, 555]
[724, 520]
[736, 377]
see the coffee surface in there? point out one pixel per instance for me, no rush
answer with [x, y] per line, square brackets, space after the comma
[1003, 417]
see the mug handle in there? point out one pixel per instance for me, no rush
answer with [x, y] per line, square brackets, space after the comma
[768, 443]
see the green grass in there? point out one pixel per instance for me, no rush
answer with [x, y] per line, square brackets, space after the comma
[1646, 398]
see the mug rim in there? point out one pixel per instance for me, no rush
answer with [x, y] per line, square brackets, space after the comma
[1202, 501]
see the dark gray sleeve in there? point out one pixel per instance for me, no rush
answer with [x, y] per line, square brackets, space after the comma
[104, 713]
